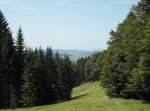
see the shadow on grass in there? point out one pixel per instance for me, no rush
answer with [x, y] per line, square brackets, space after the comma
[78, 97]
[146, 102]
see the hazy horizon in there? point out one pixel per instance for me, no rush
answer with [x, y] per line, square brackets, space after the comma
[66, 24]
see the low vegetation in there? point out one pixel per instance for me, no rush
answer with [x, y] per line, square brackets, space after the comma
[91, 97]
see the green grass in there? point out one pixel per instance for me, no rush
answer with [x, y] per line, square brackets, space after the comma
[91, 97]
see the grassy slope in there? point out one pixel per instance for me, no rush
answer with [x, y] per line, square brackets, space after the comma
[91, 97]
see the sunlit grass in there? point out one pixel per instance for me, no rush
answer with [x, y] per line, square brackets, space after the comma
[91, 97]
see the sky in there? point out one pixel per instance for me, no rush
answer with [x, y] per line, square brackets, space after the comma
[66, 24]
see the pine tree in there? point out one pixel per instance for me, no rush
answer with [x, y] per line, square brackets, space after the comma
[93, 67]
[122, 56]
[67, 75]
[81, 76]
[144, 6]
[19, 65]
[140, 81]
[41, 78]
[58, 78]
[7, 75]
[7, 55]
[28, 79]
[50, 76]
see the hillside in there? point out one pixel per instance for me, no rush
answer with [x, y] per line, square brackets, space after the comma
[75, 54]
[91, 97]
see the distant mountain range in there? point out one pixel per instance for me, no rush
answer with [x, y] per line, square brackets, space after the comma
[76, 54]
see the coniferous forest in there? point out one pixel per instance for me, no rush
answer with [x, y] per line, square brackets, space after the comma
[126, 62]
[31, 77]
[124, 67]
[35, 77]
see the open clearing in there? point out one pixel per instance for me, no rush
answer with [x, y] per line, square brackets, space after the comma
[91, 97]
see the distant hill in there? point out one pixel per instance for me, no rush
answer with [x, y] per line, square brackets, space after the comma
[75, 54]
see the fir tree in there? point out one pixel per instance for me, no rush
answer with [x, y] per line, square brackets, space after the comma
[7, 75]
[20, 54]
[28, 87]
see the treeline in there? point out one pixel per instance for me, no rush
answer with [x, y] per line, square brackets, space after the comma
[31, 77]
[37, 77]
[88, 69]
[124, 67]
[126, 62]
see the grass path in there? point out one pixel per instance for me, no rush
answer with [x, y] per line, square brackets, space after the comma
[91, 97]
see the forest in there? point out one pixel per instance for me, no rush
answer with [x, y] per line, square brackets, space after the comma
[31, 77]
[35, 77]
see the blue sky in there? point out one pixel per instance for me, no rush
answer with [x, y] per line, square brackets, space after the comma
[66, 24]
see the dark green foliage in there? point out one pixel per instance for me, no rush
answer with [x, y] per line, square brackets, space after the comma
[50, 76]
[121, 56]
[27, 85]
[88, 69]
[31, 77]
[7, 75]
[125, 71]
[139, 83]
[67, 78]
[80, 73]
[39, 77]
[7, 57]
[93, 67]
[64, 82]
[144, 6]
[19, 61]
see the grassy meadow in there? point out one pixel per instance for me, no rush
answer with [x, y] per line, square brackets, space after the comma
[91, 97]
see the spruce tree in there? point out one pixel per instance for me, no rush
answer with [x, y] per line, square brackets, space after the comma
[80, 71]
[140, 81]
[7, 75]
[67, 76]
[122, 56]
[50, 76]
[58, 78]
[19, 59]
[41, 81]
[28, 87]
